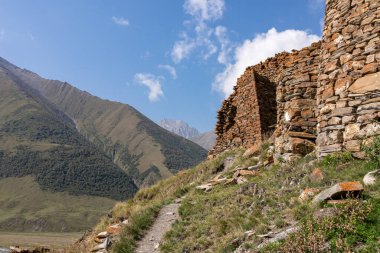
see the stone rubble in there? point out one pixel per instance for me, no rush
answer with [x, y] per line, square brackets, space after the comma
[105, 239]
[239, 177]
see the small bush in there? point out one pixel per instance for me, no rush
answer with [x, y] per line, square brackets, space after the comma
[337, 159]
[354, 224]
[372, 151]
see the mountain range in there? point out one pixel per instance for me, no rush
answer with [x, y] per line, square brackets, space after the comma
[181, 128]
[60, 143]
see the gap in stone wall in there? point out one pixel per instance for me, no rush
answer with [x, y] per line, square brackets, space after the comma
[266, 92]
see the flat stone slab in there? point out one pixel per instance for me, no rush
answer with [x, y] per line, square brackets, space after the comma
[302, 135]
[245, 173]
[366, 84]
[102, 246]
[339, 191]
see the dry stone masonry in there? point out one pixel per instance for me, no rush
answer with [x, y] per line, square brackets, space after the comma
[349, 81]
[325, 97]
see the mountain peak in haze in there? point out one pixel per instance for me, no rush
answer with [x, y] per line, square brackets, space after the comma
[180, 128]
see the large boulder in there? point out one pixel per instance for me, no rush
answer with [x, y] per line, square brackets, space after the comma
[340, 191]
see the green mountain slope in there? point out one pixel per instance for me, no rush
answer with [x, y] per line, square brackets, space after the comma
[62, 160]
[40, 142]
[136, 144]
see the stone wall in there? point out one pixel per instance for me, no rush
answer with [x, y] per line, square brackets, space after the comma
[247, 114]
[349, 82]
[296, 104]
[254, 110]
[327, 95]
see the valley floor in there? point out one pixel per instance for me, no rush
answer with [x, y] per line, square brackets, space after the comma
[49, 240]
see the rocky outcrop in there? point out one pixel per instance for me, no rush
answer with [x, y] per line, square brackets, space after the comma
[324, 97]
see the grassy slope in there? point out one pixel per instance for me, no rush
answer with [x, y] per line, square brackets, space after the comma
[25, 207]
[134, 142]
[216, 221]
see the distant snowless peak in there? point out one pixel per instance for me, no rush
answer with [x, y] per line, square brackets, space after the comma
[179, 127]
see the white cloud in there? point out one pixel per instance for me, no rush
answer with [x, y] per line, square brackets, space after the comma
[182, 49]
[225, 48]
[170, 69]
[120, 21]
[201, 12]
[205, 9]
[153, 83]
[253, 51]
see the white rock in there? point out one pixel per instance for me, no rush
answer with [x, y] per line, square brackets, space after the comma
[371, 177]
[102, 246]
[287, 117]
[279, 236]
[254, 167]
[102, 234]
[204, 187]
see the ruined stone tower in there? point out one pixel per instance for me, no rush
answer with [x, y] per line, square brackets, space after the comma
[348, 96]
[324, 97]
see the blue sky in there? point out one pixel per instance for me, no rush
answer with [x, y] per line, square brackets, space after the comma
[174, 59]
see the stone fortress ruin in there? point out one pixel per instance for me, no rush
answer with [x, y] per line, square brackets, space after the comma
[325, 97]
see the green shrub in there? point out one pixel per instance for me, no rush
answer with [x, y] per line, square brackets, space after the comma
[337, 159]
[372, 150]
[354, 224]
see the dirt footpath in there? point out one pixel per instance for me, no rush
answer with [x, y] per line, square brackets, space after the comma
[166, 217]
